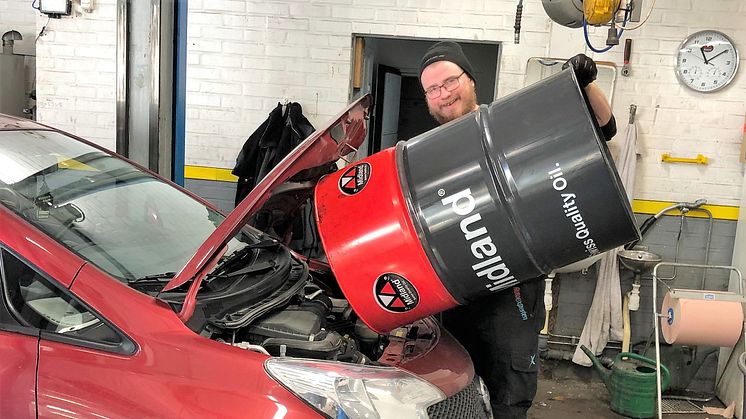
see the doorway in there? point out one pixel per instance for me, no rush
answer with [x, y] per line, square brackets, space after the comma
[390, 71]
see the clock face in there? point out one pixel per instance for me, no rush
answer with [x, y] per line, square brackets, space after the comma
[707, 61]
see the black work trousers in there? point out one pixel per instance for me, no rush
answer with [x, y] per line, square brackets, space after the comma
[501, 332]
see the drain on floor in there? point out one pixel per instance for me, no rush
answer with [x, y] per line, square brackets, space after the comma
[670, 406]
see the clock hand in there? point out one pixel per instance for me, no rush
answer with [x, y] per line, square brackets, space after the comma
[719, 54]
[702, 50]
[691, 51]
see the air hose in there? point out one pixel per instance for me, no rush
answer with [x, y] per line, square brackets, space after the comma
[517, 26]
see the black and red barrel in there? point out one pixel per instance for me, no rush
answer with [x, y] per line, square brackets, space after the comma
[500, 196]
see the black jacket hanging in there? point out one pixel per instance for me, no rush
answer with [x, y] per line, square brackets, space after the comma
[268, 145]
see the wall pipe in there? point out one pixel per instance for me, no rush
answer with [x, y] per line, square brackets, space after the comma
[180, 68]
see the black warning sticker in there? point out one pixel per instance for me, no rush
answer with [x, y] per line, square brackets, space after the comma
[394, 293]
[354, 179]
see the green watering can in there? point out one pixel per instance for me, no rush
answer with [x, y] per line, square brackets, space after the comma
[631, 383]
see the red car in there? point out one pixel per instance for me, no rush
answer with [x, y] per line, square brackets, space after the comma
[124, 295]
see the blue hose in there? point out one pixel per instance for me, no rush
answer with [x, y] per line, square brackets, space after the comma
[588, 41]
[627, 13]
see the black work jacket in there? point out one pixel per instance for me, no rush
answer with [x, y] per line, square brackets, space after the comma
[270, 143]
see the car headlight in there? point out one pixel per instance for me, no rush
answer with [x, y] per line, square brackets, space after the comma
[355, 391]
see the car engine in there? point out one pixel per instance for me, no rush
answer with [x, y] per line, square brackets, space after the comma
[315, 327]
[263, 297]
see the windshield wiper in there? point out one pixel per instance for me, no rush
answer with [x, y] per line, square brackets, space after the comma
[249, 269]
[162, 277]
[238, 255]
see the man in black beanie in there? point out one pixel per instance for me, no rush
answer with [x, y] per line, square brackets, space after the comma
[448, 79]
[500, 331]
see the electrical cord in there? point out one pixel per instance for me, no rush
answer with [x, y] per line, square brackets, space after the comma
[652, 5]
[43, 28]
[41, 33]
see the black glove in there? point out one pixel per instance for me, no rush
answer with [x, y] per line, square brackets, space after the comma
[584, 67]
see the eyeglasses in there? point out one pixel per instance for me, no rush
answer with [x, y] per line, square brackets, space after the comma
[451, 84]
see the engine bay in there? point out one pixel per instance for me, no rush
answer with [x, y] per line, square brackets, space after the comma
[263, 297]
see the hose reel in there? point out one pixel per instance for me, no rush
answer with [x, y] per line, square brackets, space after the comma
[570, 13]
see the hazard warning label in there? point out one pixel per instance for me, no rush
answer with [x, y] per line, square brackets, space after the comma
[354, 179]
[394, 293]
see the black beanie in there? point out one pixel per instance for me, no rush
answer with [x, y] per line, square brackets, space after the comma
[447, 51]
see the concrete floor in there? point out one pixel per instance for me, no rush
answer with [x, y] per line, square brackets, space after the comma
[568, 391]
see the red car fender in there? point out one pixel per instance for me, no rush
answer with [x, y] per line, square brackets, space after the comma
[18, 375]
[173, 372]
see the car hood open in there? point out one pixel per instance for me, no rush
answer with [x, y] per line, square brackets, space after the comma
[341, 136]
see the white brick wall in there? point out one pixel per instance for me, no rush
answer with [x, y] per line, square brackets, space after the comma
[676, 120]
[307, 44]
[76, 71]
[244, 56]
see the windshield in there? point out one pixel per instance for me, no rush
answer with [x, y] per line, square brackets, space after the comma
[125, 221]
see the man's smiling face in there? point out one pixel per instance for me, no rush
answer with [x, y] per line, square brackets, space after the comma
[449, 105]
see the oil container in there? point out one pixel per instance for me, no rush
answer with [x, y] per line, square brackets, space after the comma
[499, 196]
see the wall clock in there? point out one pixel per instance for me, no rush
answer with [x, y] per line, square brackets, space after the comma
[707, 61]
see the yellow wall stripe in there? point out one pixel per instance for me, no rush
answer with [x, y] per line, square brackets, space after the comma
[639, 206]
[721, 212]
[209, 173]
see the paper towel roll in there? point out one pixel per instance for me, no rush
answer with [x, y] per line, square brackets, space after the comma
[701, 322]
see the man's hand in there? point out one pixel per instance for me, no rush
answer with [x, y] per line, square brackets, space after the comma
[584, 67]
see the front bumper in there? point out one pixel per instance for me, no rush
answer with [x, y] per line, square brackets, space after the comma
[470, 403]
